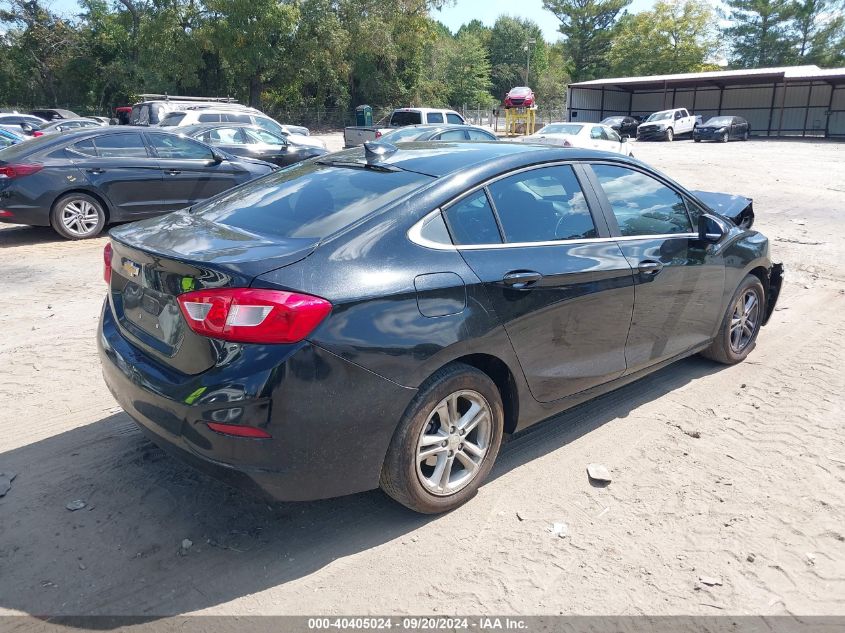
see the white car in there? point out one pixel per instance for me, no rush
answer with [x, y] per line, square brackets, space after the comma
[584, 135]
[667, 124]
[251, 116]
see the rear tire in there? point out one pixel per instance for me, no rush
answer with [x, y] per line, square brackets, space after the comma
[745, 135]
[697, 140]
[737, 335]
[446, 442]
[77, 216]
[725, 137]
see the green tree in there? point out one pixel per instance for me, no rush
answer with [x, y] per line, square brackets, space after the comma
[676, 36]
[253, 38]
[469, 72]
[819, 27]
[513, 42]
[761, 32]
[588, 28]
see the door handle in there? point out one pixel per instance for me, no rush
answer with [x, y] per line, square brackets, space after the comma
[521, 279]
[650, 267]
[174, 172]
[95, 170]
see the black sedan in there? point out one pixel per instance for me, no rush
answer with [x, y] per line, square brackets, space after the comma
[722, 128]
[253, 141]
[624, 126]
[438, 133]
[77, 182]
[382, 316]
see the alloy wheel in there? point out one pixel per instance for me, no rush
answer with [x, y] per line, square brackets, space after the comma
[79, 217]
[454, 442]
[744, 320]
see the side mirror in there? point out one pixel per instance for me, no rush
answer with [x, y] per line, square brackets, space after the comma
[26, 127]
[710, 229]
[624, 139]
[217, 157]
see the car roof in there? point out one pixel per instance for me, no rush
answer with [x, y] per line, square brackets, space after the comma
[441, 158]
[440, 126]
[424, 110]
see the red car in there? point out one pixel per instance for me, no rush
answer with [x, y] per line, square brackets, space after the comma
[520, 97]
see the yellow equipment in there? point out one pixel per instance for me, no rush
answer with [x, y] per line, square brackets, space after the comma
[517, 119]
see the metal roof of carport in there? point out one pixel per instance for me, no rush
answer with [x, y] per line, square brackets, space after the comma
[720, 78]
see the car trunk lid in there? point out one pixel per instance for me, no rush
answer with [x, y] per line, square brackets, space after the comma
[152, 263]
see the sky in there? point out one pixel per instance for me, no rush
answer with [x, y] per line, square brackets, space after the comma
[487, 11]
[461, 12]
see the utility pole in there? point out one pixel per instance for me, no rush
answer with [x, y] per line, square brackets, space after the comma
[528, 46]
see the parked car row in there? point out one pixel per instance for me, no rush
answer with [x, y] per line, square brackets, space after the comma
[666, 125]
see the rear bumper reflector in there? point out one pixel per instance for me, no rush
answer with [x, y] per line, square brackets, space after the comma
[238, 430]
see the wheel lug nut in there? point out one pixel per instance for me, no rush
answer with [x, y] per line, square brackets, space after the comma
[462, 431]
[443, 443]
[452, 430]
[451, 453]
[460, 447]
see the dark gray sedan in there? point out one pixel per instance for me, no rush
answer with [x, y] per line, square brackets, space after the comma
[438, 133]
[253, 141]
[722, 128]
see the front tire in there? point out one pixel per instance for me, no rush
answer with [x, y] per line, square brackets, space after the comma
[725, 137]
[741, 324]
[446, 442]
[670, 135]
[77, 216]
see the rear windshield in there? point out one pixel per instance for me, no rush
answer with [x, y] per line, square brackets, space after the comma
[309, 200]
[406, 118]
[719, 120]
[407, 134]
[561, 128]
[172, 119]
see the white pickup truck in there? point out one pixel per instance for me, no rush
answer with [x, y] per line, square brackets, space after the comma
[356, 135]
[667, 124]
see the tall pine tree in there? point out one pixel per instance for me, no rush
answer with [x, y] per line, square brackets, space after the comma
[761, 32]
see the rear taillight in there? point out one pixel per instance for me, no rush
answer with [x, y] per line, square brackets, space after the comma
[107, 252]
[6, 214]
[37, 133]
[378, 134]
[18, 171]
[252, 315]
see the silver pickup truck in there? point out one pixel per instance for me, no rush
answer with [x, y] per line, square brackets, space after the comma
[356, 135]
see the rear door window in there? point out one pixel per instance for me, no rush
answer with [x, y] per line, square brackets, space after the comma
[269, 125]
[471, 221]
[453, 135]
[209, 118]
[434, 117]
[226, 136]
[130, 145]
[478, 135]
[177, 147]
[641, 204]
[236, 118]
[263, 136]
[542, 205]
[451, 117]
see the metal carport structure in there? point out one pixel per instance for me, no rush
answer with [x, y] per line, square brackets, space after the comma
[787, 101]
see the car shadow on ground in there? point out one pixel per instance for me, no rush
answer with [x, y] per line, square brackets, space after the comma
[127, 552]
[19, 235]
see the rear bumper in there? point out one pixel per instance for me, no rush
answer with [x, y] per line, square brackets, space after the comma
[23, 213]
[331, 421]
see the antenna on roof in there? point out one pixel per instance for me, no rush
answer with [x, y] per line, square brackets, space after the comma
[376, 152]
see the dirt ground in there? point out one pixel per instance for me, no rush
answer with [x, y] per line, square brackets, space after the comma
[757, 501]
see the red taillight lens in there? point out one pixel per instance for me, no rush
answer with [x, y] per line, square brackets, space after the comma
[238, 430]
[107, 252]
[247, 315]
[37, 133]
[6, 214]
[378, 134]
[17, 171]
